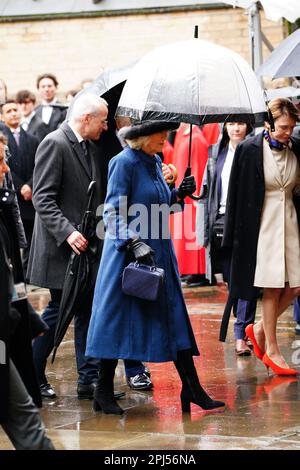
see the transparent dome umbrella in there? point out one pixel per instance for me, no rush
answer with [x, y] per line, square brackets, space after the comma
[284, 61]
[192, 81]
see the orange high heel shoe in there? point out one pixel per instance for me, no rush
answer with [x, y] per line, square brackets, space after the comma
[276, 368]
[256, 349]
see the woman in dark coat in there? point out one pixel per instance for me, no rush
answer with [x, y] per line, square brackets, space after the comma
[18, 415]
[262, 229]
[122, 326]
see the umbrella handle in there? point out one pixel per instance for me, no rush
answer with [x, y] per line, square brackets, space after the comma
[203, 194]
[90, 193]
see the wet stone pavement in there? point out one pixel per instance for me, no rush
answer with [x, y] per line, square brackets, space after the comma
[262, 412]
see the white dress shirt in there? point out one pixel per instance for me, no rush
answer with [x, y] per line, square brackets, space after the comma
[47, 110]
[25, 121]
[225, 178]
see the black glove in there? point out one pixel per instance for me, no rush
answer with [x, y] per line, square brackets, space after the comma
[187, 187]
[141, 251]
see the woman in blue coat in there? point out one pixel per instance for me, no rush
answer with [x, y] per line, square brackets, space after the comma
[136, 215]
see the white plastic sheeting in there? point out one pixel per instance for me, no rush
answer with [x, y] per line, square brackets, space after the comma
[274, 9]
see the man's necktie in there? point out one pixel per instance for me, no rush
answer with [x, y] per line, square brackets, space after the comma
[85, 149]
[16, 135]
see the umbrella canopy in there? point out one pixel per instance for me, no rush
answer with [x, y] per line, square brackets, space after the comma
[192, 81]
[284, 60]
[284, 92]
[80, 275]
[105, 84]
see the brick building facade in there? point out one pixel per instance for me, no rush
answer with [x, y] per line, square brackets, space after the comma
[79, 47]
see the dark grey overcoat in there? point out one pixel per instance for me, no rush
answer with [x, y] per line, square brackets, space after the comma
[60, 182]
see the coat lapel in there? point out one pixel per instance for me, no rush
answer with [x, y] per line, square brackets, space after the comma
[81, 157]
[76, 147]
[270, 162]
[290, 167]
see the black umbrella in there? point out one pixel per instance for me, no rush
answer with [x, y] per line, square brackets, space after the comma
[109, 85]
[80, 275]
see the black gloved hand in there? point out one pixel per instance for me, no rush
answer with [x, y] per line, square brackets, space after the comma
[187, 187]
[141, 251]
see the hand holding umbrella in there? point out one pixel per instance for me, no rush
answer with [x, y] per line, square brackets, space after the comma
[187, 187]
[77, 242]
[81, 271]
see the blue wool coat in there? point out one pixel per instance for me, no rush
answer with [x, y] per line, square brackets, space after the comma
[125, 327]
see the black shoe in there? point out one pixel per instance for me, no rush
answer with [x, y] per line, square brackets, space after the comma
[197, 280]
[86, 392]
[140, 381]
[47, 391]
[297, 329]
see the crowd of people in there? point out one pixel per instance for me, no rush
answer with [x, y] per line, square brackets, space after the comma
[249, 187]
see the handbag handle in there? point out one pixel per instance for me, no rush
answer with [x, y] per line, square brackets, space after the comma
[152, 268]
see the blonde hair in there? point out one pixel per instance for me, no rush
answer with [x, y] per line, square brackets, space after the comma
[139, 142]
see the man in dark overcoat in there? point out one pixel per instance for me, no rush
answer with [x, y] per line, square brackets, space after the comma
[30, 121]
[66, 163]
[22, 148]
[51, 111]
[19, 416]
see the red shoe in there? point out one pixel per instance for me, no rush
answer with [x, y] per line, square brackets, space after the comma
[276, 368]
[256, 349]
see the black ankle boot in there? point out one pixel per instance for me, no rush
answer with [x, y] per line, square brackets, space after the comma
[192, 391]
[104, 392]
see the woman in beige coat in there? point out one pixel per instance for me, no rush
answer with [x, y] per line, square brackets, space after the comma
[261, 207]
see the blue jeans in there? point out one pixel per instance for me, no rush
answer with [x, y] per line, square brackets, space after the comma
[245, 315]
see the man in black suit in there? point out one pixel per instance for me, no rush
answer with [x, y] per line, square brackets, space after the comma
[51, 111]
[63, 172]
[30, 121]
[22, 148]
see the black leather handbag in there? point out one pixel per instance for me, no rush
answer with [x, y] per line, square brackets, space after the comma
[142, 281]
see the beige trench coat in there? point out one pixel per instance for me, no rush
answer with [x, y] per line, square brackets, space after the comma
[278, 250]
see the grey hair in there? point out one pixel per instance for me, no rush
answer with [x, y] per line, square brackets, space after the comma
[87, 103]
[135, 144]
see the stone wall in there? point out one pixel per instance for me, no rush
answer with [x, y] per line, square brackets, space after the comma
[79, 48]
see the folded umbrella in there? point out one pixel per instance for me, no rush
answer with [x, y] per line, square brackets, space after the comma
[80, 274]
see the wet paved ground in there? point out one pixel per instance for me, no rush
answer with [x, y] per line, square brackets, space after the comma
[261, 412]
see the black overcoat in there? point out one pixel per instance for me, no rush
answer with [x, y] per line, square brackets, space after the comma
[60, 182]
[21, 163]
[37, 128]
[57, 117]
[243, 213]
[15, 336]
